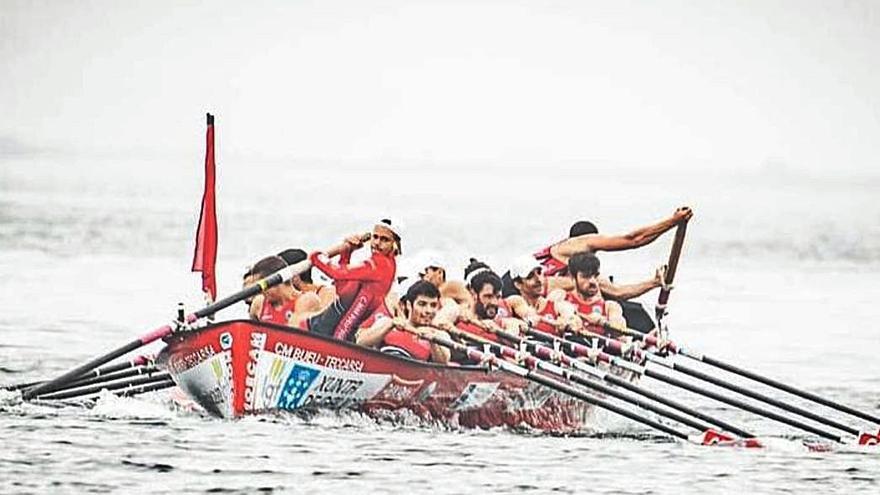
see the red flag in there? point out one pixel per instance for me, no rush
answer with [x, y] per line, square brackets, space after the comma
[205, 255]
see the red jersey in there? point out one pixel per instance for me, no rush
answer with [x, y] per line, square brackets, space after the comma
[548, 311]
[550, 265]
[597, 306]
[476, 330]
[398, 341]
[280, 315]
[361, 288]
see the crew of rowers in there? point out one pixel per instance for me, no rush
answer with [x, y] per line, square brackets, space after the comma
[558, 290]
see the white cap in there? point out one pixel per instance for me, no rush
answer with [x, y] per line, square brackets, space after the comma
[427, 258]
[523, 266]
[396, 226]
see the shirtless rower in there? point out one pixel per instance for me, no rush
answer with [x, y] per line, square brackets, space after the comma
[420, 305]
[584, 236]
[360, 288]
[591, 307]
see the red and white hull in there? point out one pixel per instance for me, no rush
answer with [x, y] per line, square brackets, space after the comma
[242, 367]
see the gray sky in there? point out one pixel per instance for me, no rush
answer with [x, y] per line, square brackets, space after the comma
[676, 84]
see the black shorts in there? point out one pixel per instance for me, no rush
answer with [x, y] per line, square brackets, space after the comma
[325, 322]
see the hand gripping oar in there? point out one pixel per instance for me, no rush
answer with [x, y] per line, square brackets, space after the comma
[547, 353]
[671, 266]
[166, 330]
[578, 350]
[708, 434]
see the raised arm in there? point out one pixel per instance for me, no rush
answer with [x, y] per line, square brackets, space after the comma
[637, 238]
[364, 272]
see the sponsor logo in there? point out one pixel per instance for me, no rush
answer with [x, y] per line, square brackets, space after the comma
[178, 364]
[271, 382]
[295, 387]
[334, 392]
[398, 392]
[225, 340]
[258, 342]
[312, 357]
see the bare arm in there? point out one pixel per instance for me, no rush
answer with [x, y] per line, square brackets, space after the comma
[374, 335]
[256, 307]
[439, 353]
[628, 291]
[521, 308]
[635, 239]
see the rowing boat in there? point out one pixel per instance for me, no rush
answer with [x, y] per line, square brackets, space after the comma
[239, 367]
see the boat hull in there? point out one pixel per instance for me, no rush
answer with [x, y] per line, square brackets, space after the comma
[237, 368]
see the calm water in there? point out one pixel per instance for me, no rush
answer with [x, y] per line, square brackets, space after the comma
[779, 274]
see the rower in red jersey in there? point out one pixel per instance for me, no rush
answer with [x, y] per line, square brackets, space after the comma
[532, 304]
[404, 336]
[276, 304]
[360, 288]
[483, 309]
[318, 295]
[584, 236]
[595, 311]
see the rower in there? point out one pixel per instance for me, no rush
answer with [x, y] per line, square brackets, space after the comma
[532, 304]
[277, 303]
[395, 335]
[584, 236]
[360, 288]
[586, 297]
[432, 270]
[484, 308]
[325, 294]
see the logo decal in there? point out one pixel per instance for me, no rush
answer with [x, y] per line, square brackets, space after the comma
[298, 382]
[225, 340]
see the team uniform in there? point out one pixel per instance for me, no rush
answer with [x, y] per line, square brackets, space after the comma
[583, 307]
[550, 266]
[280, 315]
[360, 290]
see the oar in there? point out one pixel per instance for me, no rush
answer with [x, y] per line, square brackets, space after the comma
[96, 373]
[773, 383]
[136, 371]
[166, 330]
[528, 374]
[748, 393]
[78, 392]
[653, 340]
[701, 391]
[671, 266]
[543, 353]
[151, 387]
